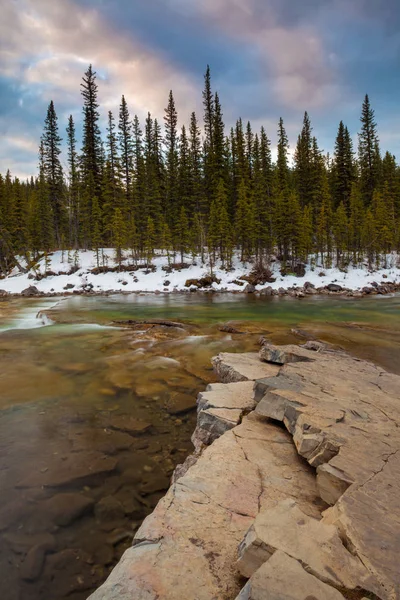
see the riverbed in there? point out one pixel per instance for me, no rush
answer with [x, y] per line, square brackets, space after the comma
[95, 412]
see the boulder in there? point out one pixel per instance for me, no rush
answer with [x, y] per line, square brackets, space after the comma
[283, 578]
[249, 289]
[334, 287]
[267, 291]
[30, 291]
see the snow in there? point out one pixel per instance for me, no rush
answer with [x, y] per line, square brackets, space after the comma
[355, 278]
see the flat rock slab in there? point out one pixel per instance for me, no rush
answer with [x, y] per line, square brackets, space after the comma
[283, 578]
[315, 544]
[242, 367]
[343, 414]
[187, 548]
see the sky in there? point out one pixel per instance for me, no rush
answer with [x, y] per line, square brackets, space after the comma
[268, 58]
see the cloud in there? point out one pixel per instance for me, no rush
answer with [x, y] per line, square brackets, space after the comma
[46, 46]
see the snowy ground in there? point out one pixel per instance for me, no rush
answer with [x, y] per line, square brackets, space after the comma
[16, 282]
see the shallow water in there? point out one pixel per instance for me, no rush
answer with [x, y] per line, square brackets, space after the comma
[90, 410]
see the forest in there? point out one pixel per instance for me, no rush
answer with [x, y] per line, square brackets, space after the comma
[201, 189]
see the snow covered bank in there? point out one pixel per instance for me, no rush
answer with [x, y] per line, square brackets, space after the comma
[161, 278]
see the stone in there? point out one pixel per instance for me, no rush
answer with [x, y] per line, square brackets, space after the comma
[205, 515]
[129, 425]
[344, 410]
[64, 509]
[283, 578]
[32, 566]
[334, 287]
[180, 404]
[30, 291]
[267, 291]
[281, 356]
[249, 289]
[315, 544]
[241, 367]
[109, 509]
[314, 345]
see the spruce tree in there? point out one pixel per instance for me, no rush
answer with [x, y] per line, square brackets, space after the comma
[73, 187]
[126, 154]
[171, 145]
[53, 172]
[368, 152]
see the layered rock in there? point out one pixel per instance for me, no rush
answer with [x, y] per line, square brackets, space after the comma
[250, 506]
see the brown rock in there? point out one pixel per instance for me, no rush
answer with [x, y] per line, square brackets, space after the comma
[64, 509]
[283, 578]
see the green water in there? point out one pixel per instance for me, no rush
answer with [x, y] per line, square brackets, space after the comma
[82, 392]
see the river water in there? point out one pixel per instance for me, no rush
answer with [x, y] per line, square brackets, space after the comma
[95, 413]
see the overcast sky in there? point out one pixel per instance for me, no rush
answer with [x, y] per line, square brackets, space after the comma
[268, 58]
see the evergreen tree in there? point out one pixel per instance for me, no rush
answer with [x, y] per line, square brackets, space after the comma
[91, 151]
[126, 154]
[171, 144]
[368, 152]
[73, 187]
[53, 171]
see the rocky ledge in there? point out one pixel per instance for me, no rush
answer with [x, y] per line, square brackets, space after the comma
[292, 492]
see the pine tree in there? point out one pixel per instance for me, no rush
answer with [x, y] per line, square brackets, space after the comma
[282, 165]
[118, 235]
[196, 167]
[171, 144]
[303, 159]
[368, 152]
[53, 172]
[91, 150]
[126, 154]
[73, 187]
[343, 169]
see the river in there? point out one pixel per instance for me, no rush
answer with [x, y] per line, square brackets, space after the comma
[96, 414]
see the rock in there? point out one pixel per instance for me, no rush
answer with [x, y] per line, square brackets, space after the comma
[315, 544]
[166, 283]
[205, 514]
[267, 291]
[30, 291]
[311, 291]
[129, 425]
[314, 345]
[334, 287]
[69, 286]
[220, 408]
[343, 411]
[180, 404]
[72, 471]
[3, 293]
[283, 578]
[109, 509]
[32, 566]
[64, 509]
[242, 367]
[249, 289]
[21, 543]
[308, 285]
[281, 356]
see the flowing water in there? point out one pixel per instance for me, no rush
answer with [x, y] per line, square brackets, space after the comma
[95, 413]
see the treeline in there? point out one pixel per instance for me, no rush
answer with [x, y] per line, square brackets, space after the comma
[201, 189]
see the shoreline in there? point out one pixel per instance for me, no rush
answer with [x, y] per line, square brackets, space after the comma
[384, 289]
[268, 512]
